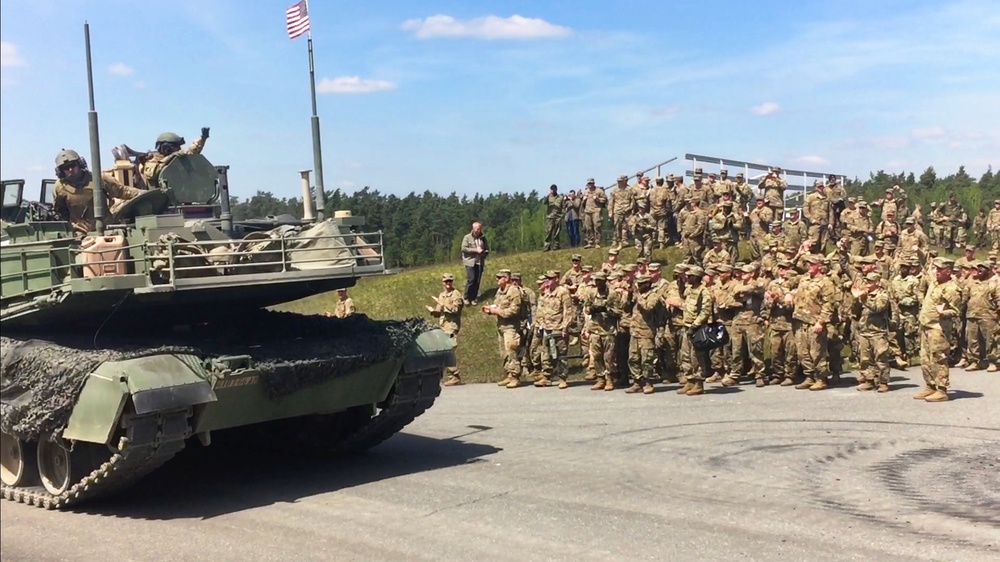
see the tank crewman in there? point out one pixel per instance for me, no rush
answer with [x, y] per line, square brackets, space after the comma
[555, 313]
[603, 306]
[507, 308]
[814, 308]
[594, 200]
[699, 307]
[73, 192]
[993, 225]
[938, 313]
[647, 315]
[167, 145]
[871, 310]
[777, 309]
[448, 309]
[981, 316]
[622, 202]
[817, 216]
[555, 208]
[747, 335]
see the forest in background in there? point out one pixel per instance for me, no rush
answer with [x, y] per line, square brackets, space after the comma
[427, 228]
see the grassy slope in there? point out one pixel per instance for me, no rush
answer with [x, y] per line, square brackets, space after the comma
[404, 295]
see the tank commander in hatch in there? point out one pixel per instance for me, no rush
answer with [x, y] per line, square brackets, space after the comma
[74, 191]
[168, 144]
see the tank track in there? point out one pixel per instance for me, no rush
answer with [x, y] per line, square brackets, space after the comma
[148, 443]
[411, 396]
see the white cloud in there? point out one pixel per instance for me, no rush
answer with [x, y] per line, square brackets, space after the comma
[121, 69]
[488, 27]
[928, 132]
[9, 55]
[813, 161]
[353, 85]
[765, 108]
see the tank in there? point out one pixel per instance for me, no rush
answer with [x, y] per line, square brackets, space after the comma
[120, 348]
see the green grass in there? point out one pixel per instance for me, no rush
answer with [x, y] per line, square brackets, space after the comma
[404, 296]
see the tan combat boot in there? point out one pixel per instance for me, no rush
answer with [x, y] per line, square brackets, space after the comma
[453, 380]
[902, 363]
[590, 377]
[543, 381]
[514, 382]
[865, 386]
[730, 381]
[599, 385]
[806, 383]
[648, 388]
[820, 384]
[505, 380]
[974, 367]
[938, 396]
[961, 364]
[774, 381]
[789, 381]
[699, 388]
[609, 384]
[759, 382]
[714, 378]
[992, 368]
[927, 391]
[636, 387]
[563, 385]
[883, 387]
[684, 389]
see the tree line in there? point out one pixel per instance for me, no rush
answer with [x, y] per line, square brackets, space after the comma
[427, 228]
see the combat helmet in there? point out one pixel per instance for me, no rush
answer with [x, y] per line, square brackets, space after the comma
[66, 156]
[169, 138]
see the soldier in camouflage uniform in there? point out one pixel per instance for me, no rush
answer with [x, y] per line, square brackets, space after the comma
[508, 310]
[718, 254]
[913, 242]
[531, 347]
[593, 201]
[760, 223]
[555, 208]
[647, 314]
[603, 306]
[643, 227]
[622, 203]
[555, 313]
[726, 221]
[796, 232]
[871, 310]
[166, 146]
[448, 309]
[699, 306]
[817, 216]
[907, 291]
[777, 311]
[673, 293]
[692, 228]
[660, 208]
[981, 314]
[774, 191]
[747, 335]
[938, 313]
[979, 231]
[860, 228]
[993, 225]
[719, 279]
[814, 301]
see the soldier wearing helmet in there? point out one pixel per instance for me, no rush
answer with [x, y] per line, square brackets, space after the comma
[74, 191]
[168, 144]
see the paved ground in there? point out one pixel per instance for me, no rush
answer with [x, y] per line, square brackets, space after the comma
[543, 474]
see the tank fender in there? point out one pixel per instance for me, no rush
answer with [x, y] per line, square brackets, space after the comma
[155, 383]
[433, 349]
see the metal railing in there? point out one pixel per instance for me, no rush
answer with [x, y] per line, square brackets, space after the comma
[790, 175]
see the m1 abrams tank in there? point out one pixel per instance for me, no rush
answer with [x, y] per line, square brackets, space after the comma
[119, 347]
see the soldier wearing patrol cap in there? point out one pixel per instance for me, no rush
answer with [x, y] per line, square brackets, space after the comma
[814, 301]
[555, 313]
[621, 205]
[593, 201]
[448, 309]
[604, 307]
[612, 264]
[939, 314]
[981, 317]
[747, 332]
[647, 314]
[777, 309]
[699, 307]
[993, 225]
[871, 308]
[507, 309]
[659, 209]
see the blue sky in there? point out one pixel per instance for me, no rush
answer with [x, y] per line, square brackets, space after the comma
[508, 96]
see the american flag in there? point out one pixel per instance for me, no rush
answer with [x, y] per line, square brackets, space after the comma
[297, 19]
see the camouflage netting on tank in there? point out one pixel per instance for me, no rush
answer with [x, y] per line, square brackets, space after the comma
[42, 379]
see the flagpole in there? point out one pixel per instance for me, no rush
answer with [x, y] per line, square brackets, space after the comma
[317, 144]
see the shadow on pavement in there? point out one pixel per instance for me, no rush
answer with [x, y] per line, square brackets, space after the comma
[205, 482]
[962, 394]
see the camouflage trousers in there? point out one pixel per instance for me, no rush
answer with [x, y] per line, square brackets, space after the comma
[509, 341]
[644, 245]
[934, 348]
[756, 246]
[661, 234]
[859, 246]
[979, 340]
[720, 358]
[531, 355]
[668, 352]
[641, 358]
[747, 341]
[621, 231]
[873, 355]
[995, 240]
[601, 349]
[453, 371]
[909, 335]
[553, 348]
[812, 351]
[783, 357]
[695, 364]
[835, 350]
[818, 236]
[692, 249]
[553, 226]
[592, 229]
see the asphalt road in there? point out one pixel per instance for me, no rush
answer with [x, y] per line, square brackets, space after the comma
[544, 474]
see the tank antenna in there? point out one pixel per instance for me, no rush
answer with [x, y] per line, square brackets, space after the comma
[95, 142]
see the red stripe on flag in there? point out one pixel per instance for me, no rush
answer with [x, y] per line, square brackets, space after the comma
[297, 20]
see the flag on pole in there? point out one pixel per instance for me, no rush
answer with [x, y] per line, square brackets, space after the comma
[297, 19]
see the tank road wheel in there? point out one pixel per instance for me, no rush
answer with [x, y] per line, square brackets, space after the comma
[60, 468]
[17, 463]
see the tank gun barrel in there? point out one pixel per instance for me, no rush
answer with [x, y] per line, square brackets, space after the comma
[95, 141]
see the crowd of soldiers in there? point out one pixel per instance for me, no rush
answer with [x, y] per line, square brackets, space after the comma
[810, 283]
